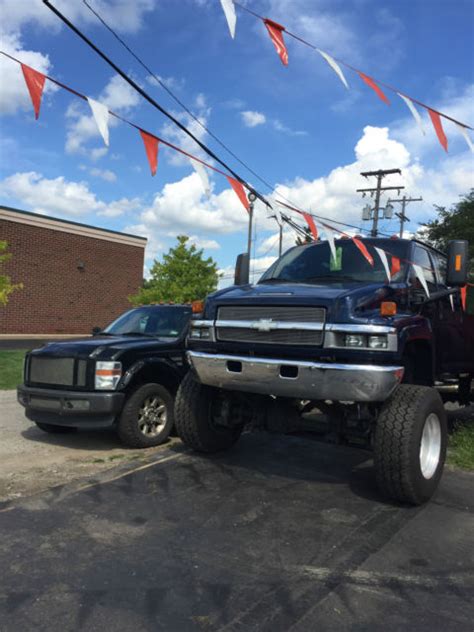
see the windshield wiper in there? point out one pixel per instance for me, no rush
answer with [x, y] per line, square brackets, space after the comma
[328, 277]
[275, 280]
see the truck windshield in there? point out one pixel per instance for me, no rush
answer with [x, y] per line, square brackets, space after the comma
[160, 321]
[315, 264]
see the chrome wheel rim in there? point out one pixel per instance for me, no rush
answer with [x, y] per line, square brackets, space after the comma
[152, 416]
[430, 446]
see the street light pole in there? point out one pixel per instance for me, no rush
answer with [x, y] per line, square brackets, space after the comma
[252, 197]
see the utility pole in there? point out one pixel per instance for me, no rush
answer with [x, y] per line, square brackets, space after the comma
[252, 197]
[402, 217]
[380, 175]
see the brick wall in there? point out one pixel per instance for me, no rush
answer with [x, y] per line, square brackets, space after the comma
[57, 297]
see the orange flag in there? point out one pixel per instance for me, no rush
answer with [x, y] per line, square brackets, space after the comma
[151, 148]
[371, 83]
[275, 31]
[35, 84]
[363, 250]
[436, 120]
[312, 225]
[240, 191]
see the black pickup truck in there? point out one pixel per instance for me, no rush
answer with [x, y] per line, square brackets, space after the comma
[375, 344]
[125, 375]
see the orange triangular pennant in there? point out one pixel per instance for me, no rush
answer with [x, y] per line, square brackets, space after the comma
[151, 148]
[35, 84]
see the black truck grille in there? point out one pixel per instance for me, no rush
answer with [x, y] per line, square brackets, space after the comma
[57, 371]
[271, 314]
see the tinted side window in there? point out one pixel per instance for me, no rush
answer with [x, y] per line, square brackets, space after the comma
[440, 264]
[422, 258]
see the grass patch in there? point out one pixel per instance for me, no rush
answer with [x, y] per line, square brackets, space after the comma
[11, 367]
[461, 447]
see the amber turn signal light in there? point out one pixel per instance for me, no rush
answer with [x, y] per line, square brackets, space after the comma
[388, 308]
[197, 306]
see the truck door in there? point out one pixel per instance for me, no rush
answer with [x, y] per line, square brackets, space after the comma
[453, 343]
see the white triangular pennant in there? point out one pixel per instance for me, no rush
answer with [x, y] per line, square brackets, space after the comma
[408, 102]
[335, 66]
[202, 173]
[101, 117]
[464, 132]
[421, 275]
[384, 260]
[330, 237]
[451, 300]
[230, 16]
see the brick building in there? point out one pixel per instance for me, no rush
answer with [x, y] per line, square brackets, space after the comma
[74, 276]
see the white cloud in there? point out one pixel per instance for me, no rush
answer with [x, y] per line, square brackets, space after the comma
[252, 119]
[118, 96]
[280, 127]
[58, 196]
[206, 244]
[182, 207]
[14, 94]
[126, 16]
[104, 174]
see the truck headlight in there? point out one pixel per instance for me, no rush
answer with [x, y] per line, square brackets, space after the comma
[107, 375]
[378, 342]
[200, 333]
[355, 340]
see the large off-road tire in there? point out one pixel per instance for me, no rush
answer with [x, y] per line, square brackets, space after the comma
[410, 444]
[53, 429]
[197, 416]
[147, 417]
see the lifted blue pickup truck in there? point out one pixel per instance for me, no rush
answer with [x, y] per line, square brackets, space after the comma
[374, 342]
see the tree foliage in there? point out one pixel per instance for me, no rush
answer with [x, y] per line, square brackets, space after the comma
[454, 223]
[6, 285]
[183, 276]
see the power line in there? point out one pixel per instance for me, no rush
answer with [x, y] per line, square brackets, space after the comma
[195, 118]
[150, 100]
[174, 97]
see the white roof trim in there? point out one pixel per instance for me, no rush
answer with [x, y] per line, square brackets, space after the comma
[65, 227]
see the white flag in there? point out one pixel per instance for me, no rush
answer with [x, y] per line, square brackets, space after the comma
[384, 260]
[335, 66]
[451, 300]
[101, 116]
[421, 275]
[414, 111]
[330, 237]
[464, 132]
[202, 173]
[230, 16]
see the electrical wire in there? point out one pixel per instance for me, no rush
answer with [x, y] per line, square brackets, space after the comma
[195, 118]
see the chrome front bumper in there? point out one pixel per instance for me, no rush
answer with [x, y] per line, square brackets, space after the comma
[297, 379]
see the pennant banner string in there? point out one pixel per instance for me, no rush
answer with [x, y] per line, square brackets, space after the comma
[335, 66]
[229, 12]
[357, 70]
[414, 112]
[438, 126]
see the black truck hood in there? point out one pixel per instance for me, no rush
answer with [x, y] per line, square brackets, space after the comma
[343, 301]
[110, 345]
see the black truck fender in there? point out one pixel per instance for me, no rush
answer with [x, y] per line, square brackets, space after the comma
[417, 352]
[159, 370]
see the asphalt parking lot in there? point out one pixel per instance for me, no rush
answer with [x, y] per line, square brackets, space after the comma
[281, 533]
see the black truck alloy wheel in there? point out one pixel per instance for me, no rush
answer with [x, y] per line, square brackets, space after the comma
[147, 417]
[199, 417]
[410, 444]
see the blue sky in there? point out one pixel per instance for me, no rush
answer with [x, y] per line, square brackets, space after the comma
[298, 126]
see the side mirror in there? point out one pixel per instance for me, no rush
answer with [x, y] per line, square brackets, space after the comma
[458, 258]
[96, 331]
[241, 276]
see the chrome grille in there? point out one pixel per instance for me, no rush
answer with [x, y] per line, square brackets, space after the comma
[58, 371]
[281, 336]
[276, 314]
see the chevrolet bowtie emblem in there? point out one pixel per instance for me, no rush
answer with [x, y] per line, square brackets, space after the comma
[264, 324]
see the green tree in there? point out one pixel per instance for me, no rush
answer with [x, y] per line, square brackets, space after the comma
[307, 239]
[6, 285]
[183, 276]
[454, 223]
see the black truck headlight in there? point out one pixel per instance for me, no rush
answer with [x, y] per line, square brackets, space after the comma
[378, 342]
[355, 340]
[200, 333]
[107, 375]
